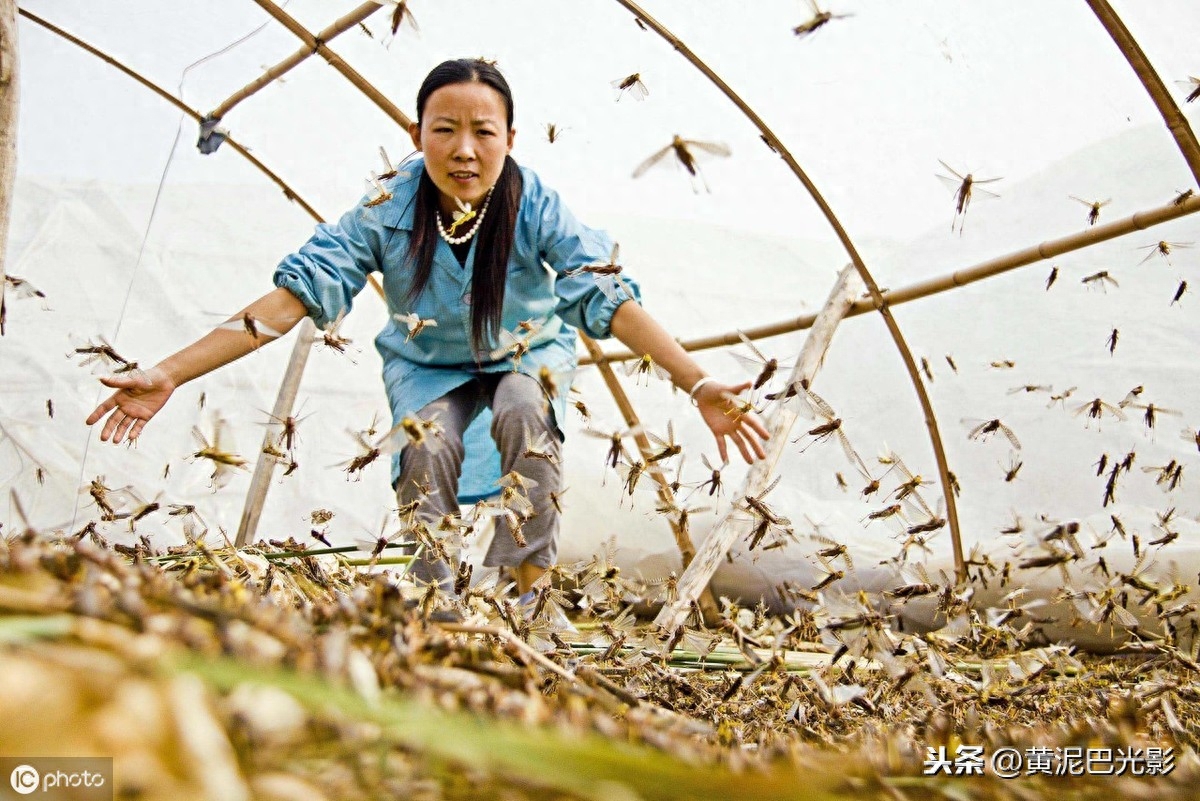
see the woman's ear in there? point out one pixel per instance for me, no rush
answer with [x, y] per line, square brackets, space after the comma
[512, 133]
[414, 130]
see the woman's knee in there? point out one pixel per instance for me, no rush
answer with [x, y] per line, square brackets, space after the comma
[434, 456]
[519, 406]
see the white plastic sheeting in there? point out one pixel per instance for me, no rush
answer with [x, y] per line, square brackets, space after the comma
[1034, 94]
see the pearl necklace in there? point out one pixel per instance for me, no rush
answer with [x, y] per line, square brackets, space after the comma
[464, 214]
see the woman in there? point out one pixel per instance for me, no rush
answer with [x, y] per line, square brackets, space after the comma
[460, 238]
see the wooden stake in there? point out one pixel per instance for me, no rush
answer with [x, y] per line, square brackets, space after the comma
[8, 136]
[285, 400]
[696, 577]
[708, 604]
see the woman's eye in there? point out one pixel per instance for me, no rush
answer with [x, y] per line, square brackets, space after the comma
[487, 133]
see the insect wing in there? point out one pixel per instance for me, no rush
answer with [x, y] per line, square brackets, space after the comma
[954, 183]
[712, 148]
[748, 342]
[510, 344]
[650, 162]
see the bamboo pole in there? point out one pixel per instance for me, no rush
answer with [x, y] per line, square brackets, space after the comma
[698, 574]
[9, 64]
[285, 66]
[335, 61]
[288, 192]
[1177, 124]
[910, 364]
[687, 551]
[967, 275]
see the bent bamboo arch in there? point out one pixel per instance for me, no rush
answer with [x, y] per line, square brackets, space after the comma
[879, 300]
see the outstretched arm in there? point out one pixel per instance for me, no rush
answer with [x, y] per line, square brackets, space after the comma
[138, 399]
[641, 333]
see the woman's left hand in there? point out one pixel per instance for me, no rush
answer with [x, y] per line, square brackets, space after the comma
[728, 416]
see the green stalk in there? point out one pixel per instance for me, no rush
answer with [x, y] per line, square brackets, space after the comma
[287, 554]
[585, 764]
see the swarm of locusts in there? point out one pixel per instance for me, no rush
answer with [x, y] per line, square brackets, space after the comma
[296, 669]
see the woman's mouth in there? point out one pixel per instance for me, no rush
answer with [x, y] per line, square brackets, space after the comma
[463, 176]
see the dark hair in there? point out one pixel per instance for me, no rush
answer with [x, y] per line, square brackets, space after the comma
[499, 225]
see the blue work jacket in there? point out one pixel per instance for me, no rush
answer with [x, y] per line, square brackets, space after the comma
[331, 268]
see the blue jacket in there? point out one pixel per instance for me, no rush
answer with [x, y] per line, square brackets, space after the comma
[331, 268]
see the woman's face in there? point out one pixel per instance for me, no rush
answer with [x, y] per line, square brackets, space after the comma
[465, 137]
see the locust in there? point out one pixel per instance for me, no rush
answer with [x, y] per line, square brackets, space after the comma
[632, 85]
[1163, 248]
[101, 353]
[646, 367]
[766, 518]
[369, 451]
[713, 482]
[983, 431]
[255, 328]
[682, 514]
[332, 339]
[1097, 408]
[965, 188]
[764, 367]
[685, 152]
[403, 15]
[1094, 207]
[667, 447]
[1151, 413]
[513, 346]
[415, 324]
[1192, 86]
[389, 170]
[818, 20]
[289, 432]
[1101, 279]
[539, 448]
[607, 275]
[224, 462]
[815, 406]
[616, 448]
[1183, 286]
[548, 382]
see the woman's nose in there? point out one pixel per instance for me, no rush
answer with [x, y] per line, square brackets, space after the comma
[463, 149]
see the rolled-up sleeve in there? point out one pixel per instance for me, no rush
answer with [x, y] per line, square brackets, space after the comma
[565, 244]
[332, 266]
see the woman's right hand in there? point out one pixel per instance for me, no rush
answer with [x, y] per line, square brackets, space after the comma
[137, 399]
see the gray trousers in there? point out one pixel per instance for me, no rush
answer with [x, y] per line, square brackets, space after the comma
[520, 415]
